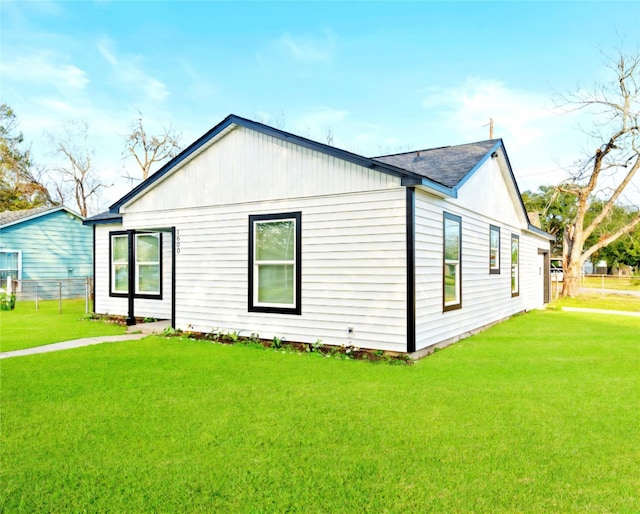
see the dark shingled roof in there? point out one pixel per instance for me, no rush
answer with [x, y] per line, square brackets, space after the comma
[447, 165]
[7, 217]
[104, 217]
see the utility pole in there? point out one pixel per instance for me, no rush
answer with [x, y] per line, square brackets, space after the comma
[490, 125]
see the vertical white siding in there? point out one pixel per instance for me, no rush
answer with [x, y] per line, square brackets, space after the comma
[247, 166]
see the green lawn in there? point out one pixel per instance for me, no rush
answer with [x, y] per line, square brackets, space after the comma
[25, 327]
[537, 414]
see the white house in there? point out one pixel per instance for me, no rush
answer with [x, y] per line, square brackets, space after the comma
[258, 230]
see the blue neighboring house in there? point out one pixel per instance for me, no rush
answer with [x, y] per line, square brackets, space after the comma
[43, 244]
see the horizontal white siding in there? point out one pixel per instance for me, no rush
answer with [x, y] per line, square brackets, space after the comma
[105, 304]
[247, 166]
[486, 298]
[353, 268]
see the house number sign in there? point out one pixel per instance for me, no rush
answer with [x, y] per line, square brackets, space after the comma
[177, 241]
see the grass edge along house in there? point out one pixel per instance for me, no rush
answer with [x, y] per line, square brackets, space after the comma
[257, 230]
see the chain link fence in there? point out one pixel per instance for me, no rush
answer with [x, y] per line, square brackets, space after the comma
[53, 289]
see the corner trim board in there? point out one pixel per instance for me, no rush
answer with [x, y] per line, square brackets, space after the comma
[411, 268]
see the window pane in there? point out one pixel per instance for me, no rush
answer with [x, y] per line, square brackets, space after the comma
[515, 250]
[495, 236]
[148, 248]
[120, 249]
[495, 249]
[450, 283]
[275, 283]
[121, 277]
[451, 239]
[9, 260]
[275, 241]
[149, 278]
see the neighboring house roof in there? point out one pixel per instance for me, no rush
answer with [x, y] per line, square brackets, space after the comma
[448, 165]
[8, 218]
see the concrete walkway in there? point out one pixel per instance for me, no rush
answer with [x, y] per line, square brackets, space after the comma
[133, 333]
[602, 311]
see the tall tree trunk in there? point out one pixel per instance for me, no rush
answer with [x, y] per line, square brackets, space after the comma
[573, 259]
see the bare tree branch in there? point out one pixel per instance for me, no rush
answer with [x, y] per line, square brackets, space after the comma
[150, 149]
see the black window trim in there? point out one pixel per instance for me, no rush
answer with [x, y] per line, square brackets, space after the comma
[458, 219]
[146, 296]
[297, 307]
[495, 271]
[517, 238]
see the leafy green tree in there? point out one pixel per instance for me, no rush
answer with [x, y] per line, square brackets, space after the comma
[555, 209]
[624, 251]
[20, 188]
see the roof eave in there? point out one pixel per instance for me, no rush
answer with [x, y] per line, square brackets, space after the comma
[540, 232]
[431, 186]
[117, 220]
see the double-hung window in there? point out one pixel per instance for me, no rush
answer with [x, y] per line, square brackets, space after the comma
[452, 298]
[274, 263]
[515, 265]
[10, 266]
[147, 267]
[494, 250]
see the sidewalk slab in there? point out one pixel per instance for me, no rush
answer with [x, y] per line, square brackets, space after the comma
[602, 311]
[66, 345]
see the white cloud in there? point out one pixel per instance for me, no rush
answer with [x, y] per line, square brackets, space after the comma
[302, 49]
[308, 49]
[322, 117]
[540, 140]
[45, 69]
[518, 115]
[127, 69]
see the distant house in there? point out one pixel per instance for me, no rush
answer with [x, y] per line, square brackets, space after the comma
[43, 244]
[258, 230]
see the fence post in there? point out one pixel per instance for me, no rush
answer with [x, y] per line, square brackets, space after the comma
[86, 295]
[59, 297]
[36, 296]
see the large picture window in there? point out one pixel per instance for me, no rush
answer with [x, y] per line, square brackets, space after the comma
[147, 266]
[451, 266]
[494, 249]
[274, 263]
[515, 265]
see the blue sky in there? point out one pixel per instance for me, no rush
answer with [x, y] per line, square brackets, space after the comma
[383, 77]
